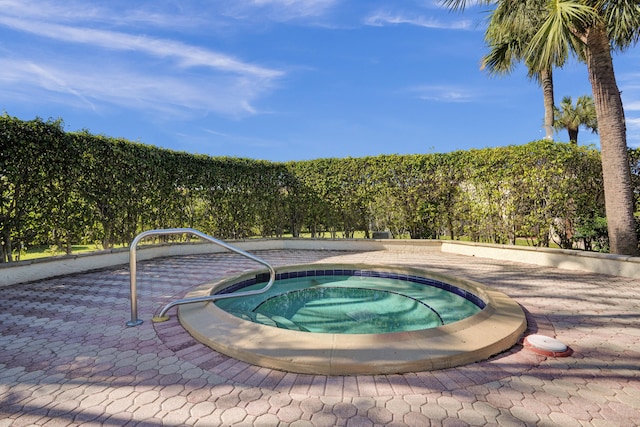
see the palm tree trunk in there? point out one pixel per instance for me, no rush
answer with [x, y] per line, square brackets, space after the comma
[546, 81]
[613, 143]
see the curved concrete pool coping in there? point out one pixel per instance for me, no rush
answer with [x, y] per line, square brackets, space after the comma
[495, 329]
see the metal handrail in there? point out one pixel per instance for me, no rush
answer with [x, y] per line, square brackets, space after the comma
[162, 316]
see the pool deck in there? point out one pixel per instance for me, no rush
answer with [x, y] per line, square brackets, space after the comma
[67, 358]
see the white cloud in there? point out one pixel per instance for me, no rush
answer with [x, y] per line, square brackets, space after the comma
[443, 93]
[195, 16]
[288, 9]
[131, 14]
[247, 141]
[382, 18]
[186, 55]
[632, 106]
[97, 85]
[633, 131]
[128, 68]
[47, 10]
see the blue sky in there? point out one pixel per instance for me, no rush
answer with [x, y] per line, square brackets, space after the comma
[277, 79]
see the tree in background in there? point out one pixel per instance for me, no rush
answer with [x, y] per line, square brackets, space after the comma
[571, 117]
[511, 27]
[33, 156]
[591, 29]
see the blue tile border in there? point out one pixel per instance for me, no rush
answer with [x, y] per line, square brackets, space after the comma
[264, 277]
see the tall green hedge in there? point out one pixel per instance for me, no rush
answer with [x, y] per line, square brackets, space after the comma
[60, 188]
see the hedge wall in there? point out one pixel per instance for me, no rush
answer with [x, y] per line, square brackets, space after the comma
[61, 188]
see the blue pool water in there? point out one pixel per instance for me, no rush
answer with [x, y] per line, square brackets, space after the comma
[352, 302]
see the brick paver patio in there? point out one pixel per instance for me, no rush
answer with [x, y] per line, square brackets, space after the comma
[67, 358]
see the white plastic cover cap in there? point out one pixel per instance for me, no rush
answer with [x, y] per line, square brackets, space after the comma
[546, 343]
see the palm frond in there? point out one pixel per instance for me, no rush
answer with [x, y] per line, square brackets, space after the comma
[460, 5]
[623, 22]
[560, 33]
[500, 59]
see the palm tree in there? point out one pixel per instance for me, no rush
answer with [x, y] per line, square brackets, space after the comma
[591, 29]
[571, 117]
[510, 30]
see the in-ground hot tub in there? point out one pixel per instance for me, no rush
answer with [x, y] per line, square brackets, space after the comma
[355, 319]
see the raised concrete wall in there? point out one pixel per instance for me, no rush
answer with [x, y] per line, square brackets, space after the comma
[615, 265]
[27, 271]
